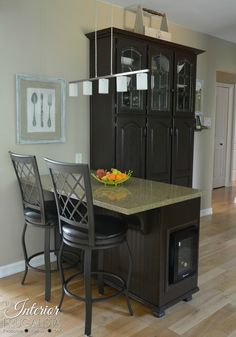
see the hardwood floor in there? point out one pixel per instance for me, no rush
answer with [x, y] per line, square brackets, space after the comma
[211, 313]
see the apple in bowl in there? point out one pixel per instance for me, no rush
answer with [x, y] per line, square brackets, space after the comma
[100, 173]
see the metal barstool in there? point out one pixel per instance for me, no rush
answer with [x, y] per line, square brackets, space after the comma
[37, 212]
[81, 229]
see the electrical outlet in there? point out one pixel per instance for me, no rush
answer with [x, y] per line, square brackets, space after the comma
[78, 158]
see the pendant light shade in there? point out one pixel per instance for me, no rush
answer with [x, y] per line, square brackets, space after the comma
[121, 83]
[103, 86]
[87, 88]
[142, 81]
[73, 89]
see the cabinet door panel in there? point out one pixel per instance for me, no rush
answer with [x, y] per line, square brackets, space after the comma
[102, 134]
[160, 62]
[131, 56]
[185, 68]
[158, 161]
[182, 151]
[130, 145]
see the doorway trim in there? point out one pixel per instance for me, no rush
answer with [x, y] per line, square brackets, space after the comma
[233, 130]
[230, 131]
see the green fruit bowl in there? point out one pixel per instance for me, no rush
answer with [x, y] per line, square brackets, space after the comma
[112, 182]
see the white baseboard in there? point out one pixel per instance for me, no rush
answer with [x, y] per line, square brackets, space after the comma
[19, 266]
[206, 211]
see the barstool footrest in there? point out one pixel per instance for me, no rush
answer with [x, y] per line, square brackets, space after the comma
[28, 263]
[118, 292]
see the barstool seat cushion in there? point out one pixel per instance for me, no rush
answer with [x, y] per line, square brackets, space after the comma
[108, 230]
[33, 216]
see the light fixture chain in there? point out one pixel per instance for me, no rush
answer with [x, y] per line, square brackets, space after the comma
[95, 40]
[111, 39]
[111, 50]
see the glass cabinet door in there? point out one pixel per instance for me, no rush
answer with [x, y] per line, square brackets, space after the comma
[131, 55]
[160, 83]
[184, 85]
[131, 60]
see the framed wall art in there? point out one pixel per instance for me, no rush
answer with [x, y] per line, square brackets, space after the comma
[40, 109]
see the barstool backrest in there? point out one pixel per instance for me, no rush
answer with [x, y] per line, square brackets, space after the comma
[73, 194]
[28, 177]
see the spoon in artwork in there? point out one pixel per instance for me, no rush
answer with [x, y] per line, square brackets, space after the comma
[49, 108]
[41, 110]
[34, 100]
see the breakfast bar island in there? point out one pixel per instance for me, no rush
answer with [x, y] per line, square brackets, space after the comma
[163, 236]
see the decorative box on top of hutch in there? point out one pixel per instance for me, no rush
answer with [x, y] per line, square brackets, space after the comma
[149, 132]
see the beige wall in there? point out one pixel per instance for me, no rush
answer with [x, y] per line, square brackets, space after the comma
[45, 37]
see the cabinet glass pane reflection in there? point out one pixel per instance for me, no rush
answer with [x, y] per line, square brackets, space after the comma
[131, 60]
[160, 83]
[184, 85]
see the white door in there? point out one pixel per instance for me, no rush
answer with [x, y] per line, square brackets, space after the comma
[222, 107]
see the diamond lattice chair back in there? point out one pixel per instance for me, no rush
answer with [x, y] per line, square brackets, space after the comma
[74, 199]
[37, 212]
[83, 229]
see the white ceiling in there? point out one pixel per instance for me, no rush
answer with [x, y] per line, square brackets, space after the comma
[213, 17]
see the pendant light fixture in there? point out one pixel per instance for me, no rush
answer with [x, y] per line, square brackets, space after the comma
[73, 89]
[87, 88]
[103, 86]
[121, 83]
[103, 81]
[142, 81]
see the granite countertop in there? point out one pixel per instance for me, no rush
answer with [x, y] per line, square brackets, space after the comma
[135, 195]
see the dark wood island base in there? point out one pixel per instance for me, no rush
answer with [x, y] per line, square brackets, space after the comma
[163, 235]
[149, 237]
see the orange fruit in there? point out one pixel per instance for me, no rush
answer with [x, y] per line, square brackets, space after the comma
[111, 176]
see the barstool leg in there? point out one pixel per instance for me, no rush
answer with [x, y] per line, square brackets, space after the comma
[57, 243]
[88, 291]
[47, 264]
[100, 276]
[62, 277]
[128, 280]
[25, 253]
[82, 261]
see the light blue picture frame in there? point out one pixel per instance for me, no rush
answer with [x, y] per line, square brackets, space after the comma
[40, 109]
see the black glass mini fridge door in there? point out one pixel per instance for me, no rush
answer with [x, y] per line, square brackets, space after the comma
[182, 254]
